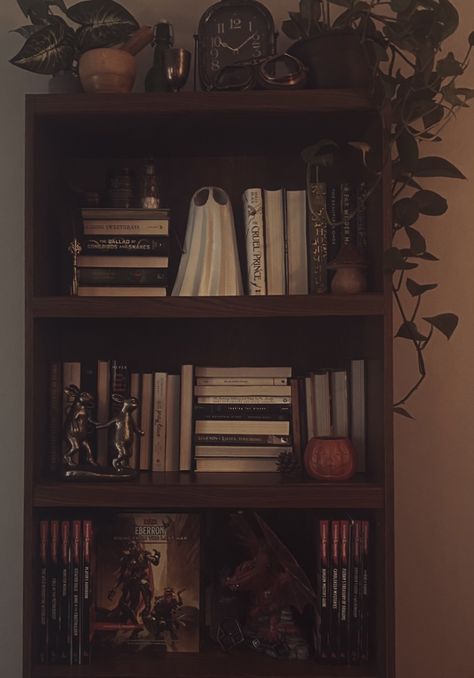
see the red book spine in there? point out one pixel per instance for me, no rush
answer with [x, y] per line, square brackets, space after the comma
[86, 588]
[324, 644]
[64, 628]
[364, 651]
[335, 588]
[355, 593]
[344, 591]
[53, 580]
[43, 630]
[76, 593]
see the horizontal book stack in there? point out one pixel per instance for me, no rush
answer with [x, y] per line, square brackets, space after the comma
[343, 591]
[157, 415]
[239, 419]
[288, 248]
[66, 557]
[124, 252]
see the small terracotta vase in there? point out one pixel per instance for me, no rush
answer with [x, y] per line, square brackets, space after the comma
[350, 275]
[107, 70]
[330, 459]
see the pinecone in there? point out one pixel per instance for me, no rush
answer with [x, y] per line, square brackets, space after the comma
[288, 464]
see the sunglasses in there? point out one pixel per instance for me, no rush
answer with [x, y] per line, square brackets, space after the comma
[282, 71]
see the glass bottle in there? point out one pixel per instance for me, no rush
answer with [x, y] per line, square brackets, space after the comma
[163, 39]
[149, 197]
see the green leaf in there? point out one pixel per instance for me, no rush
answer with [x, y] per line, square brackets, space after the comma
[445, 323]
[103, 23]
[400, 5]
[389, 84]
[394, 260]
[430, 203]
[433, 117]
[432, 166]
[408, 330]
[407, 147]
[403, 412]
[471, 39]
[417, 241]
[449, 66]
[416, 290]
[405, 212]
[291, 30]
[428, 257]
[47, 51]
[342, 3]
[26, 31]
[448, 17]
[450, 94]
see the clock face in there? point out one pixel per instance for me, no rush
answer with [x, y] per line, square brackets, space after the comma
[231, 32]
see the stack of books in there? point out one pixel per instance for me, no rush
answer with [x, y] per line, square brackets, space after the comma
[288, 249]
[124, 252]
[242, 417]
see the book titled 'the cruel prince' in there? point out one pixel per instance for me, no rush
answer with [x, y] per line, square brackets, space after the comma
[147, 583]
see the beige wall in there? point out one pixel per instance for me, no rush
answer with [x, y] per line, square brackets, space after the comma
[434, 460]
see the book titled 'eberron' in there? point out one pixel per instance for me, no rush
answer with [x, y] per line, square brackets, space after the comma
[147, 585]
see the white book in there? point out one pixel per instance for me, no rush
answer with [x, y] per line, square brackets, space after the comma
[126, 226]
[275, 242]
[158, 446]
[308, 383]
[339, 404]
[240, 451]
[254, 241]
[106, 260]
[172, 422]
[241, 381]
[243, 371]
[358, 413]
[186, 418]
[145, 422]
[243, 427]
[103, 410]
[235, 465]
[297, 265]
[85, 291]
[244, 400]
[321, 404]
[242, 390]
[135, 392]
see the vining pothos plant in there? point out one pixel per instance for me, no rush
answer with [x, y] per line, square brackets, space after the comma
[421, 81]
[53, 45]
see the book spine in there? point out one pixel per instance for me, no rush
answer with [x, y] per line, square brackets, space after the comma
[53, 580]
[348, 206]
[135, 391]
[117, 277]
[244, 427]
[335, 589]
[159, 422]
[255, 241]
[43, 616]
[324, 643]
[173, 387]
[106, 261]
[361, 218]
[243, 400]
[186, 442]
[86, 592]
[364, 636]
[334, 216]
[125, 246]
[241, 381]
[303, 412]
[65, 594]
[296, 422]
[243, 412]
[274, 242]
[297, 261]
[105, 291]
[55, 416]
[76, 593]
[317, 235]
[242, 391]
[255, 372]
[240, 439]
[103, 410]
[146, 421]
[125, 227]
[355, 593]
[344, 586]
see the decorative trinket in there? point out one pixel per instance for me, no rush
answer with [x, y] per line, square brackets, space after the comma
[74, 249]
[149, 195]
[350, 268]
[330, 458]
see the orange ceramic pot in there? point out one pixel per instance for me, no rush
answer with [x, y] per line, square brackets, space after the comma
[107, 70]
[330, 459]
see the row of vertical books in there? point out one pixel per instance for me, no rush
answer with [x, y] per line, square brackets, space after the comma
[343, 591]
[65, 550]
[289, 246]
[123, 252]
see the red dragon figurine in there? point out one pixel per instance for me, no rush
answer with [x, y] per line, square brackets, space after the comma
[281, 595]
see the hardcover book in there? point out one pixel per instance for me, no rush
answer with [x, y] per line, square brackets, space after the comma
[255, 241]
[317, 236]
[147, 583]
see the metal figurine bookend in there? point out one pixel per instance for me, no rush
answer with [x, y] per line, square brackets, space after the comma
[79, 459]
[74, 249]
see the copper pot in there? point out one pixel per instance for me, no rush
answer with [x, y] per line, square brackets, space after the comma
[107, 70]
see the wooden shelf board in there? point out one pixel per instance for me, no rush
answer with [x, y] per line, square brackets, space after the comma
[208, 307]
[211, 664]
[201, 490]
[147, 104]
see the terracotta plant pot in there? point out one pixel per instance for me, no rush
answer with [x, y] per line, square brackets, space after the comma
[107, 70]
[330, 459]
[335, 60]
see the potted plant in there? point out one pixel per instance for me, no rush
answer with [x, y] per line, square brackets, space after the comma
[54, 47]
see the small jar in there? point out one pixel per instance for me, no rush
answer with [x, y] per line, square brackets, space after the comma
[149, 194]
[120, 188]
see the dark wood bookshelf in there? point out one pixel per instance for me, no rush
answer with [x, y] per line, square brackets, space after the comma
[232, 140]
